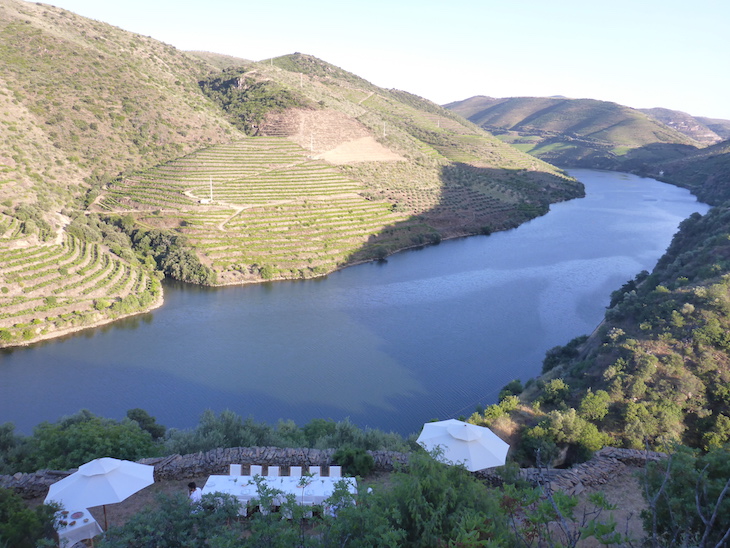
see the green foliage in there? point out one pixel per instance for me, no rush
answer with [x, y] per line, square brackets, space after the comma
[170, 252]
[689, 498]
[428, 504]
[23, 527]
[147, 422]
[561, 354]
[512, 388]
[82, 437]
[355, 461]
[594, 406]
[246, 100]
[174, 523]
[229, 430]
[554, 392]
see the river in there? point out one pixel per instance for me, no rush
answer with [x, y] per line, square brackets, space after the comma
[427, 334]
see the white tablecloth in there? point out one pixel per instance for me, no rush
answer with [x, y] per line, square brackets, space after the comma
[84, 527]
[315, 491]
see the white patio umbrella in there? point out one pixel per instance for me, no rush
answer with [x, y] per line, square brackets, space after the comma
[100, 482]
[476, 447]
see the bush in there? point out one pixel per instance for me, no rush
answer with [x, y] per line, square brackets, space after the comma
[22, 527]
[512, 388]
[355, 461]
[554, 392]
[82, 437]
[594, 406]
[173, 524]
[684, 493]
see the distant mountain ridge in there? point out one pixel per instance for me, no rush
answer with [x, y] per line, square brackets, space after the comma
[687, 124]
[586, 132]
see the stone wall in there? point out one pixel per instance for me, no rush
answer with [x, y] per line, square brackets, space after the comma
[599, 470]
[605, 463]
[216, 461]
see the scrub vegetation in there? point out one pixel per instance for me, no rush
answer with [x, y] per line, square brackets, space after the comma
[655, 374]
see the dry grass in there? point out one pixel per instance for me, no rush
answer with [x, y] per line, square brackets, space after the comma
[624, 491]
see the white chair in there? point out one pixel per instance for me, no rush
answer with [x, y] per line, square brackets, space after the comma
[234, 470]
[295, 471]
[256, 469]
[316, 471]
[335, 471]
[273, 471]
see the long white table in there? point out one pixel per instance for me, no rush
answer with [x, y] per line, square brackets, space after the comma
[307, 491]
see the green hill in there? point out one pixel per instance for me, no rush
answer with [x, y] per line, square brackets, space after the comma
[574, 132]
[124, 160]
[656, 372]
[705, 172]
[693, 127]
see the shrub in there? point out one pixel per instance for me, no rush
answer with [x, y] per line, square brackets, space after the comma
[554, 392]
[355, 461]
[512, 388]
[22, 527]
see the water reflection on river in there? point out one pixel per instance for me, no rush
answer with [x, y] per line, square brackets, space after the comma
[428, 334]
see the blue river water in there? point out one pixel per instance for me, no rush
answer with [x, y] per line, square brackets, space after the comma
[427, 334]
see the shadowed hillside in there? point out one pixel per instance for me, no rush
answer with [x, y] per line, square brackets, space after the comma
[705, 172]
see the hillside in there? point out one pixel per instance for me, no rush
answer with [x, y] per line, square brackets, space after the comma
[125, 160]
[692, 127]
[705, 172]
[576, 132]
[656, 372]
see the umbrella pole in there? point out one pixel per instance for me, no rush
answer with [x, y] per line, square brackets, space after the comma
[106, 526]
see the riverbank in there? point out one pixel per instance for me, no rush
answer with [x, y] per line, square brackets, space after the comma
[431, 333]
[66, 331]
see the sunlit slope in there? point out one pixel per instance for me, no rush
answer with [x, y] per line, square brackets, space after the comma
[356, 174]
[274, 210]
[81, 102]
[56, 287]
[571, 132]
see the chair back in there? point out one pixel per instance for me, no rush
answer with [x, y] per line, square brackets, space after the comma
[295, 471]
[256, 469]
[234, 470]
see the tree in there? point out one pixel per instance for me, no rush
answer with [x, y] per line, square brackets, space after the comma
[147, 422]
[689, 499]
[594, 406]
[22, 527]
[82, 437]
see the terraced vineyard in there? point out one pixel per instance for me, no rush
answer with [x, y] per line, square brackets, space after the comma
[275, 211]
[52, 288]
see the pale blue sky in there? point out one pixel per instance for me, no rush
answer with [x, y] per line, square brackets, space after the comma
[641, 53]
